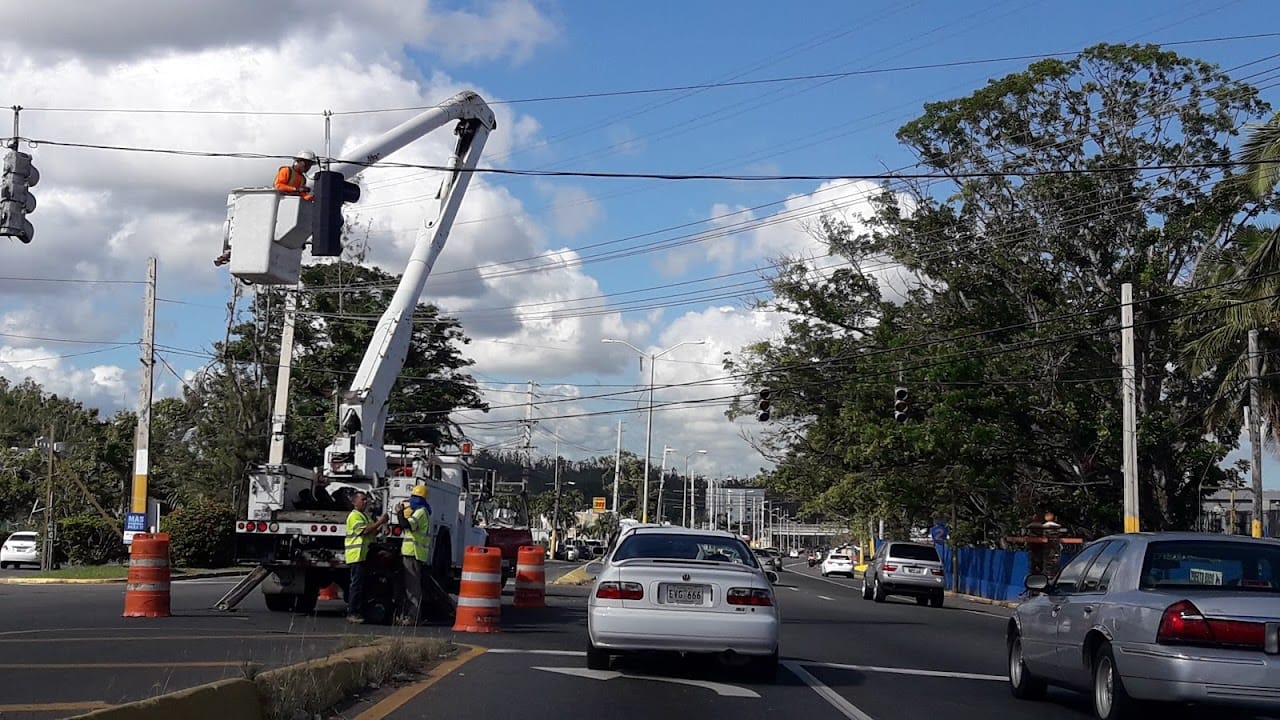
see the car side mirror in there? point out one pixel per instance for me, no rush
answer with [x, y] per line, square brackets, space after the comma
[773, 576]
[594, 568]
[1036, 583]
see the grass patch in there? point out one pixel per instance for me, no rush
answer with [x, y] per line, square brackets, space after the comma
[112, 572]
[311, 688]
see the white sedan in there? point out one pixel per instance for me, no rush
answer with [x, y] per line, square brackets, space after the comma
[20, 549]
[681, 590]
[837, 564]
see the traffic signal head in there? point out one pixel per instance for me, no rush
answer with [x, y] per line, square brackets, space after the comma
[763, 404]
[16, 200]
[332, 191]
[900, 405]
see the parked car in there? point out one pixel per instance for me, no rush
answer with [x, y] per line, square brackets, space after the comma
[905, 568]
[683, 590]
[1169, 617]
[595, 547]
[22, 548]
[768, 559]
[793, 553]
[837, 563]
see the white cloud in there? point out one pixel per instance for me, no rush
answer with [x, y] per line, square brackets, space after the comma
[574, 211]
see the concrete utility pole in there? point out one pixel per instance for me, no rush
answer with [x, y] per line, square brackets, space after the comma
[46, 554]
[555, 508]
[280, 411]
[142, 437]
[526, 446]
[1129, 391]
[1255, 432]
[617, 469]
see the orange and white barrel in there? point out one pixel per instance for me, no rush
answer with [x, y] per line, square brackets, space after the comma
[147, 592]
[480, 594]
[531, 577]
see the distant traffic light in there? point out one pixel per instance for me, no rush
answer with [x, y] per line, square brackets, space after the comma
[332, 191]
[763, 404]
[16, 200]
[900, 405]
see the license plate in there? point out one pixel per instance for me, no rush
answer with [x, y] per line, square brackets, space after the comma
[915, 571]
[685, 594]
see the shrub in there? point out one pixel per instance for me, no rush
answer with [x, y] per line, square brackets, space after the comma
[201, 534]
[89, 540]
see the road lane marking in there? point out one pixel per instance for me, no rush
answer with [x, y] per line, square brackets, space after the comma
[835, 699]
[824, 597]
[906, 671]
[183, 638]
[721, 689]
[399, 698]
[54, 707]
[522, 651]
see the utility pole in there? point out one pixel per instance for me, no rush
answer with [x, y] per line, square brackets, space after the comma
[142, 438]
[46, 555]
[1129, 391]
[526, 446]
[617, 469]
[280, 411]
[1255, 432]
[555, 508]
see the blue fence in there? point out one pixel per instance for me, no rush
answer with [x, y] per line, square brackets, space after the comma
[989, 573]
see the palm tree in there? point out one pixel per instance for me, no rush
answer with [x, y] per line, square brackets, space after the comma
[1261, 152]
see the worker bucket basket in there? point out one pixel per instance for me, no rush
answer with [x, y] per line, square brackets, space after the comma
[531, 577]
[480, 595]
[147, 592]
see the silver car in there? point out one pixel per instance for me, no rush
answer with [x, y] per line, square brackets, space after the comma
[679, 590]
[1172, 617]
[905, 568]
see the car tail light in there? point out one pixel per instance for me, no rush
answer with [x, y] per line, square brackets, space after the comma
[937, 571]
[749, 596]
[239, 526]
[1184, 624]
[395, 530]
[248, 527]
[262, 526]
[612, 590]
[313, 528]
[890, 568]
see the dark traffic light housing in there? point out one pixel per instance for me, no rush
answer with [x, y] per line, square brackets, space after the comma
[900, 405]
[332, 191]
[763, 404]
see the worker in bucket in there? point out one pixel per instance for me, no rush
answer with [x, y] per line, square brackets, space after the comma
[360, 532]
[290, 180]
[415, 551]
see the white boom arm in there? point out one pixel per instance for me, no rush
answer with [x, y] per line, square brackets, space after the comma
[357, 453]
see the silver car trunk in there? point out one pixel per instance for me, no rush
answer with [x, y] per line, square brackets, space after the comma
[672, 584]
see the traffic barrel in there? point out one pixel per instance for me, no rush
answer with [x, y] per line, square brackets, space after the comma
[329, 592]
[147, 592]
[480, 594]
[531, 577]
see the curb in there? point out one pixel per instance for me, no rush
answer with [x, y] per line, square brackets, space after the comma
[320, 683]
[107, 581]
[577, 576]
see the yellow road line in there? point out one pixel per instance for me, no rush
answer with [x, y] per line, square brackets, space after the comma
[55, 707]
[399, 698]
[123, 666]
[136, 638]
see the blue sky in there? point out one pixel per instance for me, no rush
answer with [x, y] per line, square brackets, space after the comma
[101, 214]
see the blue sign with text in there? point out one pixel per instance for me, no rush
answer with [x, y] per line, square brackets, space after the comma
[135, 522]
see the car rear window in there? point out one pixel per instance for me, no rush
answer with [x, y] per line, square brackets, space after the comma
[684, 547]
[23, 537]
[838, 557]
[914, 552]
[1205, 564]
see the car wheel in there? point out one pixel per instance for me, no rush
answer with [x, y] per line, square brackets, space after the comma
[877, 590]
[4, 566]
[764, 669]
[937, 599]
[922, 601]
[1022, 683]
[1110, 700]
[597, 659]
[866, 588]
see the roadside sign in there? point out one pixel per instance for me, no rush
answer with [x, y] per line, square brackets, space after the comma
[597, 504]
[134, 523]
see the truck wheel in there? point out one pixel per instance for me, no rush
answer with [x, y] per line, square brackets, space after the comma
[306, 602]
[279, 602]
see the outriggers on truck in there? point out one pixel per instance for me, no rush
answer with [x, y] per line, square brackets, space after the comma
[294, 527]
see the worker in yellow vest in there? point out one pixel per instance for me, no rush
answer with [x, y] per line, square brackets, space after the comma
[415, 551]
[360, 530]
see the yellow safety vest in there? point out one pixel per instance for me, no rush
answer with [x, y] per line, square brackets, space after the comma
[417, 538]
[357, 542]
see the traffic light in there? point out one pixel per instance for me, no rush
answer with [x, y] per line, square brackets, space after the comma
[763, 404]
[16, 200]
[900, 405]
[331, 190]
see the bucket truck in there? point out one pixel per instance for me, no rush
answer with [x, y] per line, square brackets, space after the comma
[294, 529]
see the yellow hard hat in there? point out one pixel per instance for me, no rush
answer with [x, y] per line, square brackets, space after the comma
[419, 491]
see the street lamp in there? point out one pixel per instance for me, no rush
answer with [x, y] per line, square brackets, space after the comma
[690, 493]
[648, 428]
[662, 479]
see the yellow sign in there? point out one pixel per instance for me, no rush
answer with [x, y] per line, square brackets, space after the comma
[597, 504]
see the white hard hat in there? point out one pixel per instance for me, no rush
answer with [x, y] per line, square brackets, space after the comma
[306, 155]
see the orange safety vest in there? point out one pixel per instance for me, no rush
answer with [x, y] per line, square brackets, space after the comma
[291, 181]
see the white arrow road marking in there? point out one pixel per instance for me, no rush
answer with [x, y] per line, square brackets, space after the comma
[720, 689]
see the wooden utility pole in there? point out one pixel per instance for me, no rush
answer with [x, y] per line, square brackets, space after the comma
[617, 468]
[46, 554]
[1255, 431]
[280, 411]
[1129, 390]
[142, 438]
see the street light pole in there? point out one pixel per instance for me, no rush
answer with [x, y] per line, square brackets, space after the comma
[648, 425]
[689, 495]
[662, 479]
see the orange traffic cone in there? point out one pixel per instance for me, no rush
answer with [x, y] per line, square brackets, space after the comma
[329, 592]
